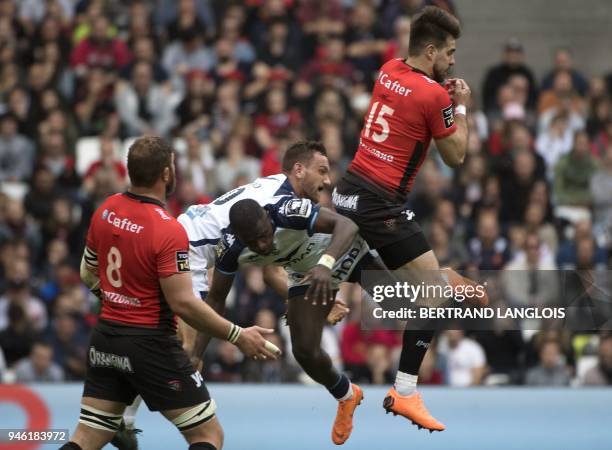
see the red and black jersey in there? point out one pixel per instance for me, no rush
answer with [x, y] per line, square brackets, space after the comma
[136, 242]
[407, 109]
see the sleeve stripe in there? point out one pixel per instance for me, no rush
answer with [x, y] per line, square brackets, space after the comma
[313, 219]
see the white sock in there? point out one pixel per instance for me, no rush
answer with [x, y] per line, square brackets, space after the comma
[129, 415]
[405, 384]
[348, 394]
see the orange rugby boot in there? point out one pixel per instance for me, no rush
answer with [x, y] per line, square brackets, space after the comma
[413, 409]
[343, 425]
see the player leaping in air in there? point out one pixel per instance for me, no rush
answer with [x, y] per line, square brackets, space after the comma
[408, 108]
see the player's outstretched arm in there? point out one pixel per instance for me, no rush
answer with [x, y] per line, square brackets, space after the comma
[343, 231]
[179, 295]
[454, 147]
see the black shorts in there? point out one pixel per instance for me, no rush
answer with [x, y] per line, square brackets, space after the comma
[119, 367]
[385, 223]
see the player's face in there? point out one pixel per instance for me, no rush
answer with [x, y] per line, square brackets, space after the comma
[262, 239]
[444, 60]
[315, 177]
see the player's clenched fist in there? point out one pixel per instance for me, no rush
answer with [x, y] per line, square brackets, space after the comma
[458, 90]
[254, 345]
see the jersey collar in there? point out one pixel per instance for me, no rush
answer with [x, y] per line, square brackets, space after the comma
[285, 188]
[143, 199]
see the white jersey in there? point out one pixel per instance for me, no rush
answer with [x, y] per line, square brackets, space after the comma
[204, 223]
[296, 247]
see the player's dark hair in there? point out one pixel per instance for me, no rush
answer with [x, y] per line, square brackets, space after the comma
[432, 26]
[244, 216]
[301, 151]
[147, 158]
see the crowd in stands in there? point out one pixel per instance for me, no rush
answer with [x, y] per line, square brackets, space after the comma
[232, 83]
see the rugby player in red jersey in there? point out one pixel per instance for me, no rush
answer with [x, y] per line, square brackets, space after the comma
[408, 108]
[136, 260]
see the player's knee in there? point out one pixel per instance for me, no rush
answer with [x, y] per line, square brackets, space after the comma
[99, 420]
[196, 418]
[305, 354]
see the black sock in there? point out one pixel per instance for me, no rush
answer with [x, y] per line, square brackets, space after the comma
[202, 446]
[414, 347]
[70, 446]
[341, 387]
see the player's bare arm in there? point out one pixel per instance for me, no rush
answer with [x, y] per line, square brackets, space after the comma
[178, 292]
[343, 231]
[453, 148]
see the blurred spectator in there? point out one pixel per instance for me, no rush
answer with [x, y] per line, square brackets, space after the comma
[489, 250]
[365, 40]
[185, 15]
[573, 174]
[562, 91]
[41, 195]
[225, 363]
[504, 351]
[19, 226]
[513, 62]
[235, 163]
[554, 142]
[601, 193]
[94, 108]
[39, 366]
[563, 62]
[197, 164]
[17, 338]
[107, 160]
[18, 291]
[530, 279]
[99, 50]
[582, 251]
[16, 151]
[466, 361]
[276, 117]
[194, 110]
[551, 371]
[601, 374]
[187, 53]
[145, 107]
[69, 342]
[271, 371]
[144, 51]
[56, 157]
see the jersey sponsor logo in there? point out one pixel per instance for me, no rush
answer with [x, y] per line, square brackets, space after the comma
[290, 260]
[422, 344]
[393, 85]
[447, 115]
[120, 299]
[121, 223]
[224, 244]
[182, 261]
[380, 155]
[109, 360]
[345, 265]
[409, 214]
[298, 207]
[345, 201]
[162, 213]
[197, 378]
[175, 385]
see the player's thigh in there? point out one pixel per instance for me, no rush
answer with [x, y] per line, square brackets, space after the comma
[96, 417]
[305, 320]
[164, 375]
[203, 429]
